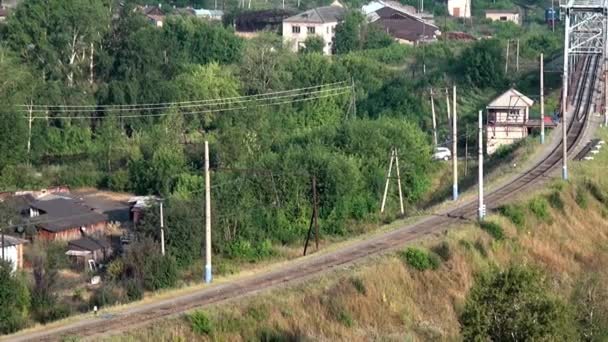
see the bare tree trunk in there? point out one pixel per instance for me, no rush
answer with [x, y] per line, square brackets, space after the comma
[91, 65]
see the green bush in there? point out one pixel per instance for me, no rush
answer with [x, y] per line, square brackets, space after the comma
[118, 181]
[556, 201]
[115, 269]
[14, 300]
[443, 250]
[515, 214]
[421, 260]
[133, 290]
[358, 285]
[107, 294]
[540, 208]
[581, 198]
[201, 324]
[515, 305]
[596, 192]
[493, 228]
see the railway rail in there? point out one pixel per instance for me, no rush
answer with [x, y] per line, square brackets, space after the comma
[305, 268]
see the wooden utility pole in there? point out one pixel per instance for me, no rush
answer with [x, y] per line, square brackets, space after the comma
[542, 100]
[517, 57]
[507, 58]
[454, 147]
[208, 273]
[434, 119]
[162, 230]
[314, 217]
[29, 135]
[606, 91]
[482, 207]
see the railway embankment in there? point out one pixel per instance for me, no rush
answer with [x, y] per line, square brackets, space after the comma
[420, 292]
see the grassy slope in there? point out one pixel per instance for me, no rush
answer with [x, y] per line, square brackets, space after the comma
[385, 299]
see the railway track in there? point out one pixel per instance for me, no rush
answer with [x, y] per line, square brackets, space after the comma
[303, 269]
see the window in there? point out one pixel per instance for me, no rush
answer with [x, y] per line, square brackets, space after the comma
[295, 29]
[503, 18]
[311, 29]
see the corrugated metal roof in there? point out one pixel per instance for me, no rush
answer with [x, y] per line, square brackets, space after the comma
[63, 214]
[511, 99]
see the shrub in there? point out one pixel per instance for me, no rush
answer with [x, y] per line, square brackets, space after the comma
[481, 248]
[108, 294]
[115, 269]
[514, 305]
[201, 324]
[345, 318]
[492, 228]
[118, 181]
[14, 298]
[581, 198]
[443, 250]
[540, 208]
[421, 260]
[358, 285]
[134, 290]
[514, 213]
[556, 201]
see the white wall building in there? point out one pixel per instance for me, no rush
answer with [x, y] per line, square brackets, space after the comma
[319, 21]
[13, 251]
[459, 8]
[508, 116]
[503, 15]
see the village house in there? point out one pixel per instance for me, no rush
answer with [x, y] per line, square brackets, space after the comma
[405, 27]
[321, 22]
[507, 119]
[65, 219]
[87, 248]
[154, 14]
[503, 15]
[12, 250]
[209, 14]
[459, 8]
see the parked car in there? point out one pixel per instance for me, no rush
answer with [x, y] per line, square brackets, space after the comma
[442, 153]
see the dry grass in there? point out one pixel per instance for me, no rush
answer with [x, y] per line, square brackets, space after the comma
[384, 299]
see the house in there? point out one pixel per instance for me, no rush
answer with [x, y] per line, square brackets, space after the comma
[87, 248]
[503, 15]
[321, 22]
[376, 5]
[405, 27]
[209, 14]
[154, 14]
[249, 24]
[138, 205]
[12, 250]
[3, 14]
[507, 119]
[65, 219]
[459, 8]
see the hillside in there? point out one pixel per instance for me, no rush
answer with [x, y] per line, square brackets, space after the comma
[559, 231]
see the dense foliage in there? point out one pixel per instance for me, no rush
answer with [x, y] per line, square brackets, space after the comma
[515, 305]
[14, 299]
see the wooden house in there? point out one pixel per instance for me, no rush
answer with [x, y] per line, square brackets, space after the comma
[507, 119]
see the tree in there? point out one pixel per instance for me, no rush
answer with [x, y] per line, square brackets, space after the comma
[515, 305]
[482, 64]
[376, 38]
[263, 67]
[14, 299]
[348, 33]
[313, 44]
[46, 261]
[590, 300]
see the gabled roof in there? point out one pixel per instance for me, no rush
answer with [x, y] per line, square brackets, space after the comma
[326, 14]
[12, 241]
[407, 29]
[63, 214]
[511, 99]
[376, 5]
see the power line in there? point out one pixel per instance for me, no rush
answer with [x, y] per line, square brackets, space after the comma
[161, 105]
[330, 93]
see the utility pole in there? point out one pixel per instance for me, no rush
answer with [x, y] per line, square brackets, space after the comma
[542, 100]
[399, 181]
[553, 18]
[388, 178]
[507, 58]
[314, 218]
[454, 148]
[565, 102]
[482, 207]
[434, 119]
[517, 58]
[447, 102]
[162, 230]
[208, 276]
[466, 150]
[29, 135]
[394, 158]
